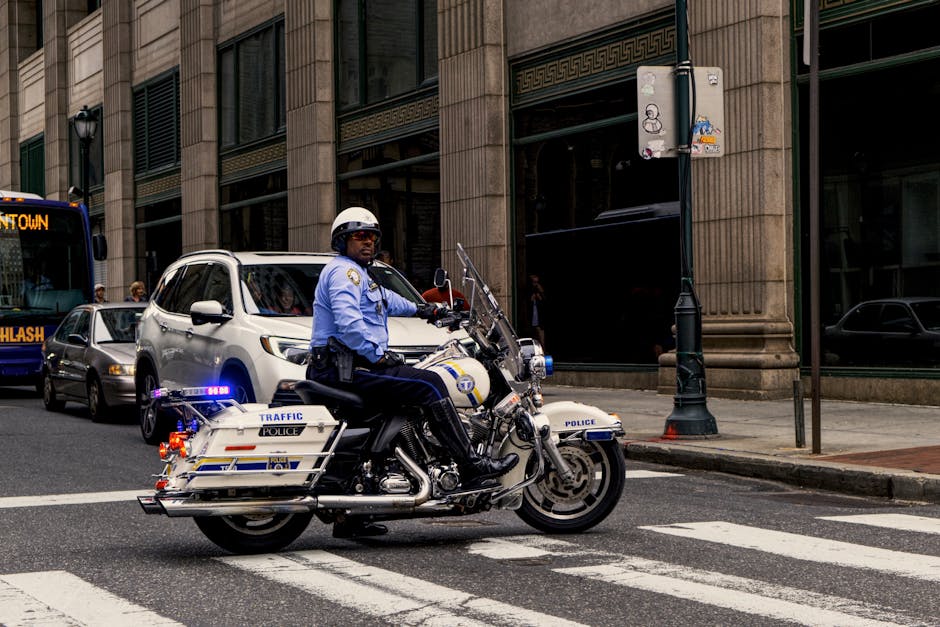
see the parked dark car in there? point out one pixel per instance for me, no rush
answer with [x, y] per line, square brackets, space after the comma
[90, 358]
[886, 332]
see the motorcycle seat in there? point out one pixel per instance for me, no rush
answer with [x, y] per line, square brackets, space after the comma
[315, 393]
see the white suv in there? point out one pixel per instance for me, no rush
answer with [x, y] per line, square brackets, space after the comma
[214, 317]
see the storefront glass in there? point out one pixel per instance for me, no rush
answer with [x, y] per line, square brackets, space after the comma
[598, 226]
[879, 217]
[253, 213]
[406, 199]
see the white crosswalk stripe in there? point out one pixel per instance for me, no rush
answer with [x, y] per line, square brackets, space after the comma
[901, 522]
[79, 498]
[83, 498]
[808, 548]
[712, 588]
[60, 598]
[650, 474]
[386, 595]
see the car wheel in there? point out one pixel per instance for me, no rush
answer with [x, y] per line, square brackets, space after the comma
[154, 424]
[49, 398]
[97, 406]
[241, 386]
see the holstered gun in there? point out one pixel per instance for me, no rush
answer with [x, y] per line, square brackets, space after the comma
[344, 357]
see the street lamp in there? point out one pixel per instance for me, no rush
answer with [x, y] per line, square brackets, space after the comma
[86, 125]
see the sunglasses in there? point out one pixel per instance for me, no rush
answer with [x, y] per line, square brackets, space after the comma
[364, 236]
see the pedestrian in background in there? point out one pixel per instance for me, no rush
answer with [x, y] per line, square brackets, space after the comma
[137, 293]
[99, 293]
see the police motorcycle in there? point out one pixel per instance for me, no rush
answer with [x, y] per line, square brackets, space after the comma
[252, 476]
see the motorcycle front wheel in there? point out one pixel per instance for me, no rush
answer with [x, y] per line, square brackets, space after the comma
[553, 506]
[253, 534]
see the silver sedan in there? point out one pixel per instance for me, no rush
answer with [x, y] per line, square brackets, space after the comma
[90, 358]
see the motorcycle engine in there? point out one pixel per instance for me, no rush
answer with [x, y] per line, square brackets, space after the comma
[395, 483]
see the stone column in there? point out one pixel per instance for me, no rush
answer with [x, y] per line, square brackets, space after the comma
[474, 122]
[56, 20]
[311, 178]
[117, 18]
[9, 101]
[199, 170]
[743, 207]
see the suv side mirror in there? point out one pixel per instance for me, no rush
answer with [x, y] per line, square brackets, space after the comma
[204, 311]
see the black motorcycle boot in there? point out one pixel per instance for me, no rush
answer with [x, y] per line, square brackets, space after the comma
[473, 467]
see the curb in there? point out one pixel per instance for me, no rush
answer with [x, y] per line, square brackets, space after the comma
[847, 478]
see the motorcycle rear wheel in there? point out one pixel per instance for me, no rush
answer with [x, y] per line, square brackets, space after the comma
[253, 534]
[554, 507]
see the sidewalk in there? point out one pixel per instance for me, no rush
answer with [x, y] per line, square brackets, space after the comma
[872, 449]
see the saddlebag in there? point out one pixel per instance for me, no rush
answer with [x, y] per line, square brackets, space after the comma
[253, 446]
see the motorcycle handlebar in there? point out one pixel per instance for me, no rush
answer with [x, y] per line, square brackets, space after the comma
[450, 320]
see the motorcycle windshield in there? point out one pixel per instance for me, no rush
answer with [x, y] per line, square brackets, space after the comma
[487, 319]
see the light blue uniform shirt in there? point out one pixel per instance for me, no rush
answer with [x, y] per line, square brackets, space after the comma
[353, 308]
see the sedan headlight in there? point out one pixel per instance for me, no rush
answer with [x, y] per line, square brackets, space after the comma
[121, 369]
[283, 347]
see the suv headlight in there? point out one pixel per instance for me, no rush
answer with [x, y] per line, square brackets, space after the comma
[283, 346]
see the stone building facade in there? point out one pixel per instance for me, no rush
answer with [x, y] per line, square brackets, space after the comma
[508, 126]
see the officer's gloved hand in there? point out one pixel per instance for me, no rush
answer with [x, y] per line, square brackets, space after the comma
[431, 311]
[391, 358]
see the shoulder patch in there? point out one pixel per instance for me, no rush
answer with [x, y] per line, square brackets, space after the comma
[353, 275]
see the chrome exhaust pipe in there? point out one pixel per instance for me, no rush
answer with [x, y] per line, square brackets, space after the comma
[387, 503]
[175, 506]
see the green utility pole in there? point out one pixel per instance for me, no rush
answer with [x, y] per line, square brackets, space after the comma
[690, 416]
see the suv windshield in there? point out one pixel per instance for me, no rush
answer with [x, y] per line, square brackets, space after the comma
[287, 290]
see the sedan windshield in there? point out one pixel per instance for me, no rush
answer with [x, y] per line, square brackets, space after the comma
[117, 325]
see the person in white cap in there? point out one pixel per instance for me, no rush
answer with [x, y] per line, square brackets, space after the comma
[99, 293]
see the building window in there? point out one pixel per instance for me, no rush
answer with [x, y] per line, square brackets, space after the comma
[589, 191]
[33, 166]
[253, 213]
[159, 240]
[879, 202]
[385, 48]
[157, 124]
[251, 86]
[405, 197]
[95, 155]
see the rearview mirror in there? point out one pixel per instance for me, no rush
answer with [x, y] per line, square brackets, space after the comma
[440, 277]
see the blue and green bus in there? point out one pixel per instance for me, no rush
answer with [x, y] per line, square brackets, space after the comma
[45, 270]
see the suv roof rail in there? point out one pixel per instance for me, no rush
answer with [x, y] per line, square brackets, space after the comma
[218, 251]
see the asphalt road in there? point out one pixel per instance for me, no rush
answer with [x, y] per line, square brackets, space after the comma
[683, 548]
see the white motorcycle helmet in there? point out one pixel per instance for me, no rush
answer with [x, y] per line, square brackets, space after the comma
[349, 221]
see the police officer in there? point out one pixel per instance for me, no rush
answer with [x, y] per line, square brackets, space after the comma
[350, 313]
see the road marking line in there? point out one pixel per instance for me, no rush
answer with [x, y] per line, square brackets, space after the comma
[901, 522]
[81, 498]
[85, 498]
[60, 598]
[678, 584]
[649, 474]
[713, 588]
[387, 595]
[808, 548]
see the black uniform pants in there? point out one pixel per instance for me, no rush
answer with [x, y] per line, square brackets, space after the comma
[395, 386]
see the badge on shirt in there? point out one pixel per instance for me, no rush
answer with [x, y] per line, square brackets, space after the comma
[353, 276]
